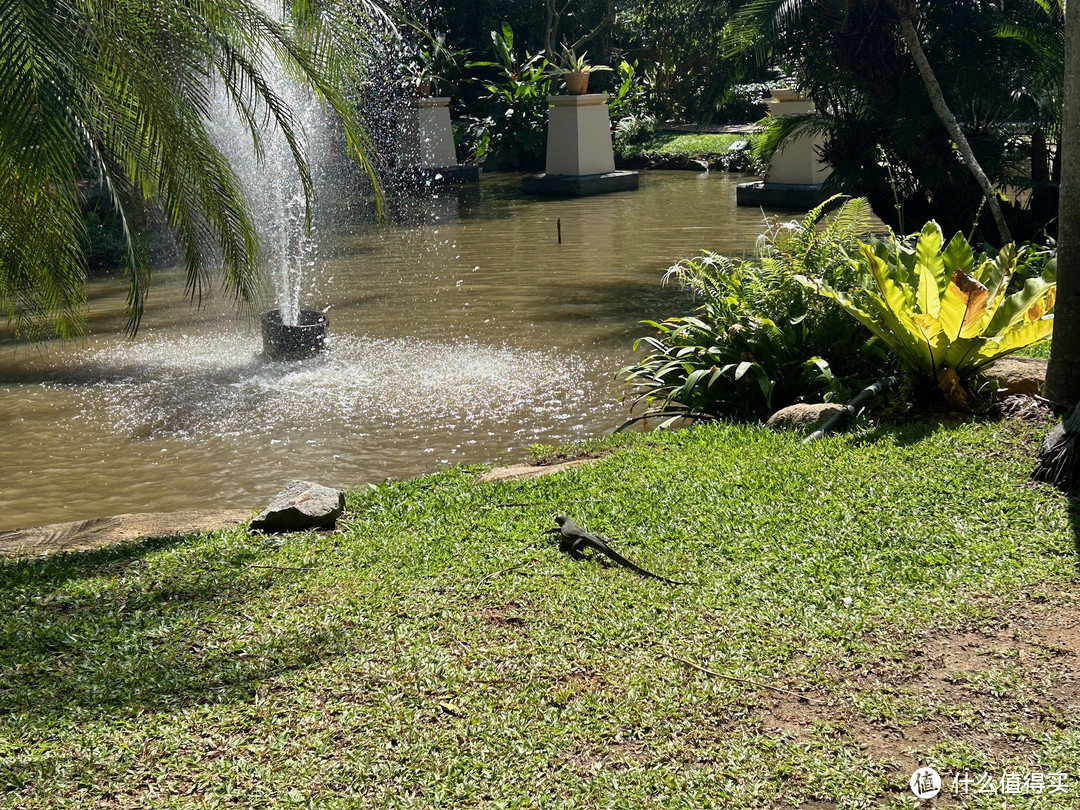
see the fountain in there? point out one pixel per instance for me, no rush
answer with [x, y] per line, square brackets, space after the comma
[280, 204]
[444, 351]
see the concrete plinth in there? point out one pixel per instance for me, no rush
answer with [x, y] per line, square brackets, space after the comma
[797, 162]
[579, 136]
[796, 172]
[427, 135]
[579, 185]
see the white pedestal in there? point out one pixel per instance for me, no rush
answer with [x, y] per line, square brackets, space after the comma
[797, 163]
[579, 135]
[428, 137]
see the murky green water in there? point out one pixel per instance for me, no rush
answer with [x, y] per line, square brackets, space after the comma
[463, 337]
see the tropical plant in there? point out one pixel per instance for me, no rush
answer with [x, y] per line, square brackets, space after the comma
[574, 70]
[125, 89]
[682, 39]
[569, 61]
[724, 362]
[627, 97]
[944, 311]
[513, 114]
[760, 340]
[430, 64]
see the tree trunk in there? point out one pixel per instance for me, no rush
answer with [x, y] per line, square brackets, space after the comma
[1063, 374]
[937, 99]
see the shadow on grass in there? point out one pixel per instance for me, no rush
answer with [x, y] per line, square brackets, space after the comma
[902, 434]
[104, 631]
[1074, 523]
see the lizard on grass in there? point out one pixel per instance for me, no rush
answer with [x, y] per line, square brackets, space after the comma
[574, 540]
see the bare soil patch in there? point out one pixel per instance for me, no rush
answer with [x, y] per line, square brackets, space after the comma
[993, 689]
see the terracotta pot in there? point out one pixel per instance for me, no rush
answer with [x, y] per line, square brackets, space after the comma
[576, 83]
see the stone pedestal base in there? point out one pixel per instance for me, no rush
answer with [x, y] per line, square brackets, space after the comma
[779, 195]
[797, 162]
[443, 176]
[579, 185]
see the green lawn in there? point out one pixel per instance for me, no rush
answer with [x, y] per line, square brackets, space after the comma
[905, 587]
[712, 148]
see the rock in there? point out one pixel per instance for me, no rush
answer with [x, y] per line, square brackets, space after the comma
[301, 505]
[1017, 375]
[802, 416]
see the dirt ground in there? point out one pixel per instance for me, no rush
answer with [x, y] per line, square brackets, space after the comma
[993, 688]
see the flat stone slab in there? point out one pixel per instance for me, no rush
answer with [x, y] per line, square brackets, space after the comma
[302, 505]
[1017, 376]
[579, 185]
[517, 472]
[87, 535]
[779, 195]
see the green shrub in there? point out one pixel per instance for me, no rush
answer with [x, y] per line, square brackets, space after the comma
[760, 340]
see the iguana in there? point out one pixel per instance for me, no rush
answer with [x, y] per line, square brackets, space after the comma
[574, 540]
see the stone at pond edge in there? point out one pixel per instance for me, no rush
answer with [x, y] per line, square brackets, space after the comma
[1017, 375]
[802, 416]
[301, 505]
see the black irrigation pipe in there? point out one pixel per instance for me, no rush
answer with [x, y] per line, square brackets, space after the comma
[856, 404]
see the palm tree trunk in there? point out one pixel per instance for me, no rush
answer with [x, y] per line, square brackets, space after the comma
[1063, 373]
[937, 99]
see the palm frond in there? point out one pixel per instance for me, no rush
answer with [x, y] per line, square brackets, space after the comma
[126, 90]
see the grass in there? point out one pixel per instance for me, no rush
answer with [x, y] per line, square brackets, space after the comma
[671, 149]
[696, 145]
[1040, 350]
[440, 652]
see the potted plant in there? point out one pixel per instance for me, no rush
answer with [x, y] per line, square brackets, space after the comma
[575, 71]
[429, 65]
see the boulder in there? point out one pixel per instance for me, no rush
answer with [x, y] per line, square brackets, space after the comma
[1017, 375]
[301, 505]
[803, 416]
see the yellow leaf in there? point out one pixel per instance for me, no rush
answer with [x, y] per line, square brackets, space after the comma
[1020, 337]
[927, 325]
[963, 306]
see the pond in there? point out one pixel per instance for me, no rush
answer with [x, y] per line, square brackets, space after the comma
[462, 334]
